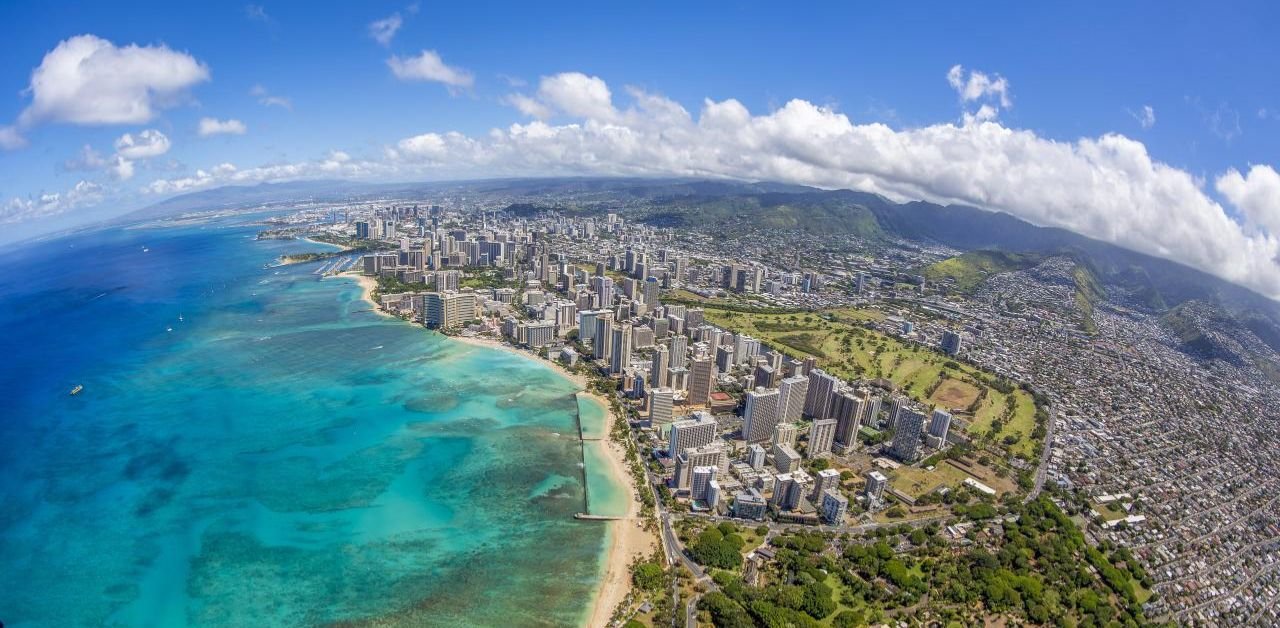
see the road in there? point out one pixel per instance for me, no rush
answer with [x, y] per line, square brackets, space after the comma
[1042, 470]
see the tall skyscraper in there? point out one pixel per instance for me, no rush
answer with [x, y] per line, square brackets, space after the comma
[950, 342]
[827, 480]
[906, 439]
[822, 387]
[702, 478]
[896, 406]
[620, 358]
[658, 369]
[660, 405]
[821, 435]
[702, 379]
[448, 310]
[870, 410]
[846, 409]
[939, 424]
[876, 483]
[651, 291]
[677, 348]
[603, 341]
[724, 359]
[760, 415]
[833, 506]
[756, 456]
[794, 391]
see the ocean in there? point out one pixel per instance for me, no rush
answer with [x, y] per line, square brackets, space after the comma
[254, 447]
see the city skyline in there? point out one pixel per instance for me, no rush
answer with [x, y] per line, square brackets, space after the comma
[1127, 125]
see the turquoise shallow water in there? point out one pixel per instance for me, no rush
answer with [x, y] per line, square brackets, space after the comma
[605, 496]
[253, 448]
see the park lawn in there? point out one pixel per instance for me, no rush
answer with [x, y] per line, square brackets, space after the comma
[837, 594]
[1109, 511]
[856, 314]
[1140, 592]
[916, 482]
[1022, 424]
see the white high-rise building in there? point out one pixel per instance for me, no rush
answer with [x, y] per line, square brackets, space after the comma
[793, 390]
[876, 483]
[677, 349]
[602, 343]
[822, 434]
[834, 506]
[620, 359]
[785, 458]
[870, 410]
[713, 455]
[702, 478]
[939, 424]
[756, 456]
[658, 369]
[448, 310]
[896, 406]
[760, 415]
[821, 388]
[712, 498]
[827, 480]
[702, 380]
[696, 431]
[785, 434]
[661, 401]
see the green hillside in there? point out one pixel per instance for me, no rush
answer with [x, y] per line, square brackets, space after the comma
[969, 270]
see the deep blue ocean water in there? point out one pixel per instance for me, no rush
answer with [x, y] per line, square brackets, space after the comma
[253, 447]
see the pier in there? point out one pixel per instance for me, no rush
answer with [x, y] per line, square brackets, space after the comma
[589, 517]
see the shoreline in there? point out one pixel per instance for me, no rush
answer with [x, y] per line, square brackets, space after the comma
[627, 537]
[367, 286]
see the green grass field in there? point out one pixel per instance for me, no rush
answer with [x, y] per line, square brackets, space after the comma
[916, 482]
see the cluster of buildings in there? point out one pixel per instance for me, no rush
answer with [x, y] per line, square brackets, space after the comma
[1190, 445]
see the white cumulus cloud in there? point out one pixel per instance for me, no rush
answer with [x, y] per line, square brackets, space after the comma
[89, 80]
[148, 143]
[1106, 187]
[82, 194]
[975, 85]
[428, 66]
[1256, 194]
[214, 126]
[385, 29]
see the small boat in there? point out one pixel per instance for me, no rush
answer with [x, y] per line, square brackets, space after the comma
[77, 389]
[168, 329]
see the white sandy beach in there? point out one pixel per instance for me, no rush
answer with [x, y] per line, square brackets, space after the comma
[627, 537]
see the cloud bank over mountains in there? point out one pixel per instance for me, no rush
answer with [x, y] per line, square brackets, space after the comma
[1107, 187]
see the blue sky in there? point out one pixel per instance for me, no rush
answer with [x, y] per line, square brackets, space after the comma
[1207, 73]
